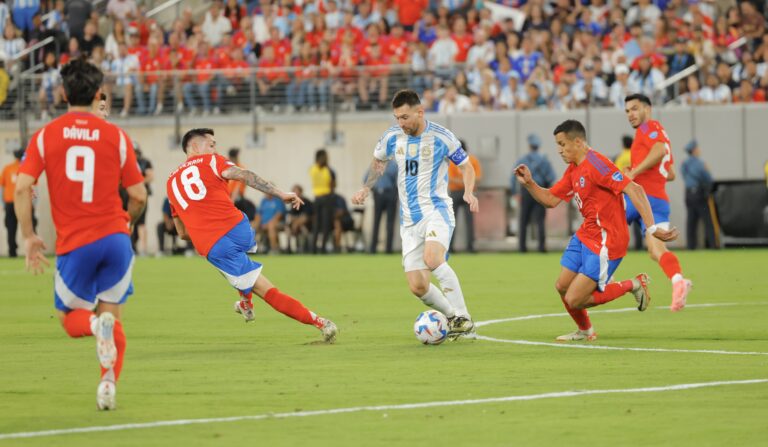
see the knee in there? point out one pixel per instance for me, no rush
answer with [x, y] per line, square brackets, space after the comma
[574, 302]
[433, 261]
[419, 288]
[561, 288]
[655, 253]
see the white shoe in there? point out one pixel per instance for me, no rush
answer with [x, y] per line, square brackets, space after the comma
[159, 109]
[217, 110]
[124, 113]
[244, 308]
[579, 335]
[329, 330]
[640, 291]
[106, 395]
[105, 340]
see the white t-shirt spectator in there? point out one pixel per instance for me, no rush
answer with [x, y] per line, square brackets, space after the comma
[122, 9]
[599, 90]
[646, 85]
[480, 52]
[443, 53]
[124, 69]
[617, 94]
[719, 95]
[214, 29]
[460, 104]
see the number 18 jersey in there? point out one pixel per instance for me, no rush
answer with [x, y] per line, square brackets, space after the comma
[200, 198]
[85, 160]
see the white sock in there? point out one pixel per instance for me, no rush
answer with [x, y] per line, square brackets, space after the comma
[449, 282]
[435, 299]
[676, 277]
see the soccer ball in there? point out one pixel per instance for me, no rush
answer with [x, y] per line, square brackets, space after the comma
[431, 327]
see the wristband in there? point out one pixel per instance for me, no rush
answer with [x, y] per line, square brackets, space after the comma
[652, 229]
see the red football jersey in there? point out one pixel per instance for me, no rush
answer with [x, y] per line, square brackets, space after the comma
[596, 185]
[85, 160]
[654, 179]
[200, 198]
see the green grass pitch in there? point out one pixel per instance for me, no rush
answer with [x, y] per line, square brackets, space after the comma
[190, 357]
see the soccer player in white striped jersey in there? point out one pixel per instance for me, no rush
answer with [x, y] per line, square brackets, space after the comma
[422, 151]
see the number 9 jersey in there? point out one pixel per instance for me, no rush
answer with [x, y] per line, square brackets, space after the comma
[200, 198]
[85, 160]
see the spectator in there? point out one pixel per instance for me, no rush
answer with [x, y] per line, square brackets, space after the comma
[200, 83]
[481, 50]
[50, 87]
[11, 45]
[123, 10]
[620, 87]
[139, 236]
[511, 92]
[456, 193]
[530, 209]
[5, 14]
[644, 13]
[591, 90]
[124, 68]
[409, 11]
[453, 102]
[646, 79]
[269, 221]
[442, 55]
[216, 24]
[322, 178]
[384, 200]
[342, 219]
[8, 183]
[746, 93]
[166, 227]
[151, 83]
[715, 93]
[90, 39]
[77, 13]
[752, 22]
[299, 222]
[698, 185]
[23, 12]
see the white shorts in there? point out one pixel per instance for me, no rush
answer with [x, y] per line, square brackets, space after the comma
[435, 227]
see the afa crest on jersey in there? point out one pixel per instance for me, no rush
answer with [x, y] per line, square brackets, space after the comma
[617, 176]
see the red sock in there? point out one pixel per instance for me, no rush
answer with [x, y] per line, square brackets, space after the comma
[290, 307]
[248, 296]
[580, 316]
[612, 291]
[669, 263]
[120, 343]
[78, 323]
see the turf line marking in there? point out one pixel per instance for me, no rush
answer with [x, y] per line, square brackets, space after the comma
[613, 348]
[332, 411]
[608, 311]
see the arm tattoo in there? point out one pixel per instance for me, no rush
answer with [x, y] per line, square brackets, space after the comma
[376, 171]
[251, 179]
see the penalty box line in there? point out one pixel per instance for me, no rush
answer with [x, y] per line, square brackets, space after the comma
[332, 411]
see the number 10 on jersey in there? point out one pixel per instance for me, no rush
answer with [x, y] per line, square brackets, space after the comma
[412, 167]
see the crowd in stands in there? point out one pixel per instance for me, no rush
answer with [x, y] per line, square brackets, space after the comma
[461, 55]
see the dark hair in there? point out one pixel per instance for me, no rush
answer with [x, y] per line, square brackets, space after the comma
[103, 97]
[234, 152]
[320, 153]
[463, 145]
[572, 129]
[405, 97]
[626, 141]
[194, 133]
[639, 97]
[81, 81]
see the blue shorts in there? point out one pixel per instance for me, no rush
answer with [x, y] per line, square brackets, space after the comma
[580, 259]
[99, 271]
[659, 207]
[229, 255]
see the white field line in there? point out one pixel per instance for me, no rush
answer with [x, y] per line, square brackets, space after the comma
[332, 411]
[613, 348]
[608, 311]
[609, 348]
